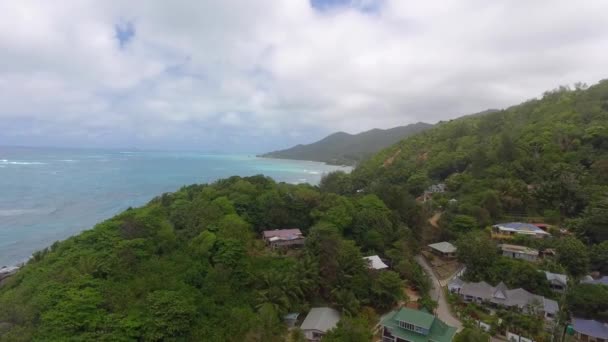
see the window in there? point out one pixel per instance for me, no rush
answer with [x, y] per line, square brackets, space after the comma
[411, 327]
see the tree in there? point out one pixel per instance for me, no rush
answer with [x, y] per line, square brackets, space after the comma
[477, 252]
[350, 329]
[588, 300]
[599, 257]
[471, 335]
[337, 182]
[573, 254]
[386, 289]
[463, 223]
[170, 314]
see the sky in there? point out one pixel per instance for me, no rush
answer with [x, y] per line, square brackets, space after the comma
[259, 75]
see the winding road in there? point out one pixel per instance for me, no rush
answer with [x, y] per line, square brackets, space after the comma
[437, 293]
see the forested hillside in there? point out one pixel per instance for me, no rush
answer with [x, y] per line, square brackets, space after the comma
[191, 265]
[545, 159]
[348, 149]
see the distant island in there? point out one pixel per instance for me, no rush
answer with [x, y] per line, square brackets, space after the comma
[348, 149]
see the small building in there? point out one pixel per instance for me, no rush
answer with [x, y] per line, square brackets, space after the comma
[557, 282]
[405, 325]
[501, 296]
[283, 237]
[589, 330]
[600, 281]
[433, 189]
[511, 229]
[374, 262]
[443, 249]
[318, 322]
[519, 252]
[291, 319]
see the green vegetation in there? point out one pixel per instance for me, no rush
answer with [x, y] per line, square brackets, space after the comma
[190, 265]
[349, 149]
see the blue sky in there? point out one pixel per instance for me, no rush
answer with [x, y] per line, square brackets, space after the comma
[252, 76]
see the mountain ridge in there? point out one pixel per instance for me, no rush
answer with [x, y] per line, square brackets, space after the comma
[342, 148]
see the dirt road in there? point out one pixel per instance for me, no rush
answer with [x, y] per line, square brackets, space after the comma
[443, 308]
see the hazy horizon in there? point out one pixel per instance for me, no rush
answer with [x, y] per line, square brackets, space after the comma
[263, 75]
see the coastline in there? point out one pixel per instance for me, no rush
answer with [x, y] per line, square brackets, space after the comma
[9, 271]
[351, 167]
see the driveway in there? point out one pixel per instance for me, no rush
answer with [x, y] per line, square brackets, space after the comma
[437, 293]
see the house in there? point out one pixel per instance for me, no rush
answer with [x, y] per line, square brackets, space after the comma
[511, 229]
[500, 295]
[374, 262]
[601, 281]
[557, 282]
[409, 325]
[437, 188]
[589, 330]
[433, 189]
[519, 252]
[283, 237]
[318, 322]
[443, 249]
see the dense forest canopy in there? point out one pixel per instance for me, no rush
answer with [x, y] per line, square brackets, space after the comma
[190, 265]
[544, 159]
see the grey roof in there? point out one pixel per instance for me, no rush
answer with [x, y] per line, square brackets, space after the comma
[443, 247]
[550, 305]
[456, 282]
[556, 277]
[518, 249]
[602, 281]
[522, 228]
[321, 319]
[590, 327]
[503, 296]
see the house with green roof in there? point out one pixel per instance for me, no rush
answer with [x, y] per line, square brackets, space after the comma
[408, 325]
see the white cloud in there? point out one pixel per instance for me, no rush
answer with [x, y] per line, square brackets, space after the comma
[275, 70]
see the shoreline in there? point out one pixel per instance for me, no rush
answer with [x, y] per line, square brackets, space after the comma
[306, 160]
[9, 271]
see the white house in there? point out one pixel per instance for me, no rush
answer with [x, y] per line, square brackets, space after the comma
[374, 262]
[519, 252]
[557, 282]
[318, 322]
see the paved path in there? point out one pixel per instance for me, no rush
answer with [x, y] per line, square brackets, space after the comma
[443, 308]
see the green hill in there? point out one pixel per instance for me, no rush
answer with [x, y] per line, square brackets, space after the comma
[348, 149]
[544, 159]
[190, 265]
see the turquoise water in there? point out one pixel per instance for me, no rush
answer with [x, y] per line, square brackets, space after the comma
[50, 194]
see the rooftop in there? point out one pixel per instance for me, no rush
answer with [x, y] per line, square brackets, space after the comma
[443, 247]
[375, 262]
[521, 228]
[438, 330]
[601, 281]
[561, 278]
[503, 296]
[590, 327]
[284, 234]
[321, 319]
[518, 249]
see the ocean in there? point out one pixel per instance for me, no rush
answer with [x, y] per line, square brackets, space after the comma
[48, 194]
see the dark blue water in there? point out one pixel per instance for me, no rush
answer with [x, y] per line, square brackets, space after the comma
[50, 194]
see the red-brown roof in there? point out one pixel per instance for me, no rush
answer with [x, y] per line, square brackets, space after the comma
[282, 233]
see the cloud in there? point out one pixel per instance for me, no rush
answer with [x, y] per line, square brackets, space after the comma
[265, 74]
